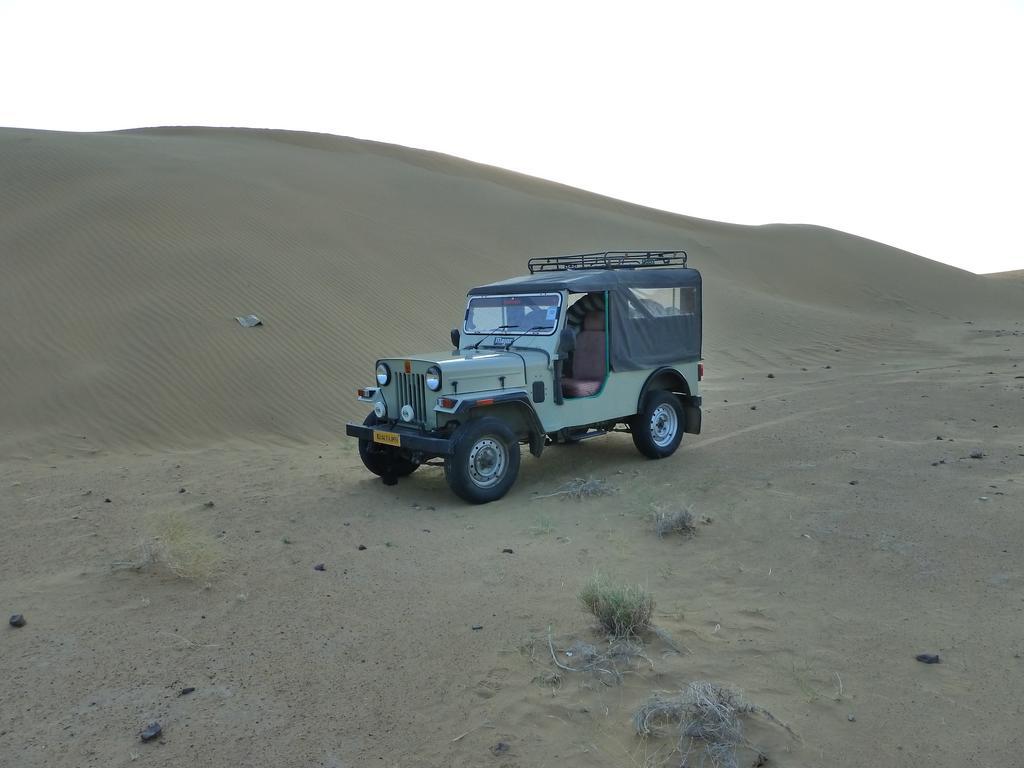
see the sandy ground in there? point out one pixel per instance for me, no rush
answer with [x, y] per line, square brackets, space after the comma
[844, 536]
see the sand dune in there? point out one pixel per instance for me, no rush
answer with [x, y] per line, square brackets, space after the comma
[1016, 275]
[848, 528]
[126, 255]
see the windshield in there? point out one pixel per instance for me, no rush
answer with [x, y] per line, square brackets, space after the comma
[533, 314]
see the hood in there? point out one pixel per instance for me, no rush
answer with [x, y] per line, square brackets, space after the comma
[470, 370]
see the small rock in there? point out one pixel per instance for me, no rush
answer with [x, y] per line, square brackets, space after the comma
[17, 620]
[977, 453]
[476, 627]
[854, 482]
[983, 498]
[500, 748]
[181, 490]
[928, 658]
[827, 367]
[361, 547]
[151, 731]
[771, 375]
[938, 437]
[319, 567]
[187, 691]
[106, 501]
[425, 530]
[507, 551]
[753, 407]
[208, 504]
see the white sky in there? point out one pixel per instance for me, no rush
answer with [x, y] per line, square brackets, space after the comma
[899, 121]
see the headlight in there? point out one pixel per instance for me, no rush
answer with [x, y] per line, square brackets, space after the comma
[383, 374]
[433, 378]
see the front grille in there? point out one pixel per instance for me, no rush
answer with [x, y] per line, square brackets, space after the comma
[410, 390]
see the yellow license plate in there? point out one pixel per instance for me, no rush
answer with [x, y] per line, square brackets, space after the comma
[387, 438]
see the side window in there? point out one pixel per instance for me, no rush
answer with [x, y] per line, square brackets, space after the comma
[662, 302]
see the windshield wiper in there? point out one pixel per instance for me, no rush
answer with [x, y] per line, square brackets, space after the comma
[492, 331]
[529, 330]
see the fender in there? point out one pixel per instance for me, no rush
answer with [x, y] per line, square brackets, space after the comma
[519, 402]
[668, 378]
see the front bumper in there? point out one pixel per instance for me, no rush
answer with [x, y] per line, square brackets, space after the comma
[409, 440]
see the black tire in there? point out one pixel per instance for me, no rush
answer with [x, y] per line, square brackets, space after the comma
[485, 462]
[658, 428]
[382, 460]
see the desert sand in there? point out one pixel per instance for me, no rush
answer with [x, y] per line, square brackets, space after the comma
[847, 528]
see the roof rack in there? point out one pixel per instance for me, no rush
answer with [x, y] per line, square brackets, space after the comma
[608, 260]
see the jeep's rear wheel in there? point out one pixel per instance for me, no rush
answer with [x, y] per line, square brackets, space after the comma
[658, 428]
[485, 462]
[383, 460]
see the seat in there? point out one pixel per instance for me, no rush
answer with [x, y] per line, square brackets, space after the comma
[588, 361]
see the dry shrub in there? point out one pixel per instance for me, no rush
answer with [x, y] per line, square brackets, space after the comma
[177, 545]
[706, 712]
[622, 609]
[679, 521]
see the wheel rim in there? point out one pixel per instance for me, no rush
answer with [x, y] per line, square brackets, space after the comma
[487, 462]
[664, 425]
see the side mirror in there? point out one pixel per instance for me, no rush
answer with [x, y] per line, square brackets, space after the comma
[566, 342]
[456, 337]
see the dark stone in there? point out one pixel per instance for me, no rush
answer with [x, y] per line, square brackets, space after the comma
[507, 551]
[500, 748]
[928, 658]
[17, 620]
[187, 691]
[181, 490]
[476, 627]
[362, 547]
[319, 567]
[854, 482]
[208, 504]
[106, 501]
[771, 375]
[151, 731]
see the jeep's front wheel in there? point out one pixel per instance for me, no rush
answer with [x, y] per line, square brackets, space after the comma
[485, 461]
[382, 460]
[658, 428]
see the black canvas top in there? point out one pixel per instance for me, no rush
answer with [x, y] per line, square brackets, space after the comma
[589, 280]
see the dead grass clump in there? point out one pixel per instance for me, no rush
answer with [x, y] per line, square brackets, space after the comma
[622, 609]
[605, 663]
[679, 521]
[582, 489]
[175, 544]
[706, 712]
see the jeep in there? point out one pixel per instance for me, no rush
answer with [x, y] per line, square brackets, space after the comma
[581, 346]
